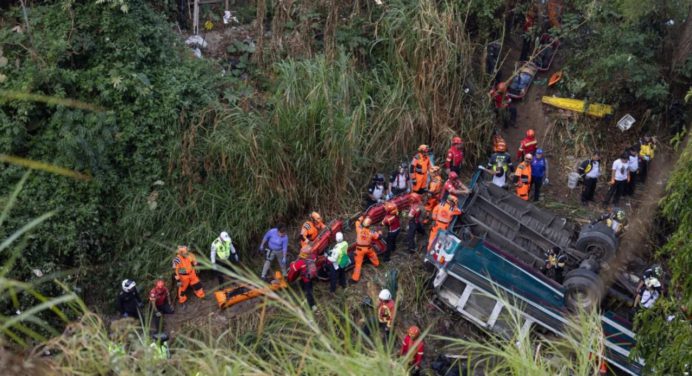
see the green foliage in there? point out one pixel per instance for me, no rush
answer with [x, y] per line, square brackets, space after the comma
[664, 331]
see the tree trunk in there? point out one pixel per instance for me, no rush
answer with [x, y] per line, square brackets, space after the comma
[683, 49]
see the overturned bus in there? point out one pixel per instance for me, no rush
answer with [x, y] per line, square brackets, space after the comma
[485, 262]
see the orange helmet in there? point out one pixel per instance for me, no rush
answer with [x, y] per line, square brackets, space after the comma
[530, 133]
[452, 199]
[315, 216]
[182, 250]
[501, 146]
[390, 208]
[413, 332]
[456, 140]
[423, 148]
[159, 284]
[435, 170]
[501, 87]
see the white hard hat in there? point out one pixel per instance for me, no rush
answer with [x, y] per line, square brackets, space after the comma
[128, 285]
[385, 295]
[225, 237]
[339, 237]
[652, 282]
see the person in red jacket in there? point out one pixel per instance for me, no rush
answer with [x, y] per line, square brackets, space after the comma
[455, 156]
[305, 270]
[454, 186]
[391, 220]
[411, 344]
[528, 145]
[505, 112]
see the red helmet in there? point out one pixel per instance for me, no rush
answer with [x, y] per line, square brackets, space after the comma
[501, 146]
[160, 284]
[413, 332]
[453, 175]
[501, 87]
[456, 140]
[530, 133]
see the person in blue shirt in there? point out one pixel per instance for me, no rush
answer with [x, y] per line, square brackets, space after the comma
[274, 245]
[539, 173]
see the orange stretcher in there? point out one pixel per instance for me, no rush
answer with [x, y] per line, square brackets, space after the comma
[237, 294]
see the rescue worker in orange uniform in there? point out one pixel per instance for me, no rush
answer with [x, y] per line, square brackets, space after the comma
[443, 215]
[364, 238]
[455, 156]
[184, 265]
[385, 313]
[420, 165]
[522, 175]
[311, 228]
[434, 191]
[528, 145]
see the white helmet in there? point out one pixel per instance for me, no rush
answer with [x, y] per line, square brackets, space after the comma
[652, 283]
[128, 285]
[339, 237]
[225, 237]
[385, 295]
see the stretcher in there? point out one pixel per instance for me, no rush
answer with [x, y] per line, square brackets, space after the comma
[244, 292]
[577, 105]
[522, 81]
[548, 46]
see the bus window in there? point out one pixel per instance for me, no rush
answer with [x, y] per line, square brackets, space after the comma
[451, 290]
[506, 325]
[480, 305]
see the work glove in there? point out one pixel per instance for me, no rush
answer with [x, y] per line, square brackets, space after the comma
[158, 314]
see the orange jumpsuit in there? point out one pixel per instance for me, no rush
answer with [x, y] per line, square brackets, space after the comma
[523, 172]
[442, 215]
[186, 275]
[364, 238]
[309, 232]
[419, 172]
[434, 190]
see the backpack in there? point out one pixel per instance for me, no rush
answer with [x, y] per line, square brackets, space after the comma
[584, 167]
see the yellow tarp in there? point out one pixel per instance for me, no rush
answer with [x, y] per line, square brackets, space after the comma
[578, 105]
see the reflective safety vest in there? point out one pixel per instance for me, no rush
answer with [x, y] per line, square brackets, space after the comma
[184, 265]
[646, 151]
[419, 170]
[310, 230]
[364, 236]
[223, 249]
[443, 214]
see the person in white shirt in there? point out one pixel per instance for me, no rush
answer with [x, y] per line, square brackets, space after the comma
[400, 181]
[633, 165]
[590, 171]
[618, 180]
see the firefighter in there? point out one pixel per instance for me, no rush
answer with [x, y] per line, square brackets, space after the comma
[305, 269]
[616, 220]
[455, 156]
[500, 154]
[399, 182]
[311, 228]
[453, 186]
[184, 265]
[522, 175]
[415, 222]
[420, 165]
[647, 148]
[223, 252]
[554, 265]
[434, 191]
[391, 220]
[160, 298]
[385, 313]
[276, 242]
[129, 302]
[528, 145]
[364, 238]
[505, 112]
[443, 215]
[412, 343]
